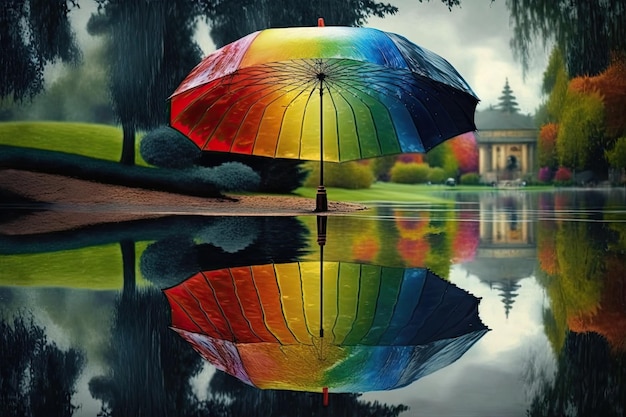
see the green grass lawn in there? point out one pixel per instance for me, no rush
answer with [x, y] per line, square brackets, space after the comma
[86, 139]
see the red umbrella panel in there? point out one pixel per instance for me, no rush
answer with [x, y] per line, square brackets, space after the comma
[383, 327]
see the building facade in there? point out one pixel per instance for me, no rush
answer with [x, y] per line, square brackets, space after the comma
[507, 146]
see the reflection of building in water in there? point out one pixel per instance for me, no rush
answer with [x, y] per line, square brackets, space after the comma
[507, 251]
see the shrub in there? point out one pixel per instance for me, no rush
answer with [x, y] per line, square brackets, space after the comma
[436, 175]
[278, 175]
[563, 176]
[545, 174]
[351, 175]
[410, 173]
[380, 167]
[471, 178]
[230, 176]
[168, 148]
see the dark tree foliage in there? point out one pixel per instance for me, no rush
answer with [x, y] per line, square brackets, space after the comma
[588, 32]
[33, 33]
[150, 51]
[36, 377]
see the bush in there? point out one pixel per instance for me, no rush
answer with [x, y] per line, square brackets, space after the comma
[230, 176]
[168, 148]
[436, 175]
[563, 176]
[471, 178]
[410, 173]
[278, 175]
[545, 174]
[350, 175]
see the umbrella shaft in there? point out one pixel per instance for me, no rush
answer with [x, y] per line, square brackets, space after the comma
[321, 132]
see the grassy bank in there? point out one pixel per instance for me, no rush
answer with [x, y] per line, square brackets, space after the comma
[85, 139]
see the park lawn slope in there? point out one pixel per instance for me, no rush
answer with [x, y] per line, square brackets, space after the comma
[86, 139]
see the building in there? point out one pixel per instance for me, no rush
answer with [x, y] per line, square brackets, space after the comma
[507, 142]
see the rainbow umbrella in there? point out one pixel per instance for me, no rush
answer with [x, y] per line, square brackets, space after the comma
[371, 328]
[322, 93]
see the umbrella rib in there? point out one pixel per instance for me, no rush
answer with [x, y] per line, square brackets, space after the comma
[282, 306]
[240, 304]
[356, 125]
[258, 296]
[201, 309]
[220, 308]
[188, 315]
[284, 114]
[358, 304]
[231, 92]
[308, 100]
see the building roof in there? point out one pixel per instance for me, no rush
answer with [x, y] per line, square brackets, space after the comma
[494, 119]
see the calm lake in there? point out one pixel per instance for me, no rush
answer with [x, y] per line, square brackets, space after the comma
[498, 303]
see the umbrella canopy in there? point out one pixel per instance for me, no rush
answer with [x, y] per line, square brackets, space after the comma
[362, 92]
[322, 93]
[384, 327]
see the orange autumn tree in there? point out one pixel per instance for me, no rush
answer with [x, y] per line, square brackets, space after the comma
[611, 85]
[547, 145]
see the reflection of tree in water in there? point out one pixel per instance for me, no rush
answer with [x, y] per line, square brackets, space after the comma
[244, 400]
[590, 380]
[149, 366]
[36, 377]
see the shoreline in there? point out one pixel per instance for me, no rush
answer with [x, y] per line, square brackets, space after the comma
[73, 203]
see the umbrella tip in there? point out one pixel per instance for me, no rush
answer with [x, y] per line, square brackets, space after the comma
[320, 22]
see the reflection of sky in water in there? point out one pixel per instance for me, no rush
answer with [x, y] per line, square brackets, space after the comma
[490, 378]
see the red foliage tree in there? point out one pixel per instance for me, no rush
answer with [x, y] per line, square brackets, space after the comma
[547, 145]
[465, 151]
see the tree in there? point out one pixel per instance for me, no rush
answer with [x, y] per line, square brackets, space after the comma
[33, 33]
[617, 156]
[149, 50]
[581, 131]
[587, 32]
[546, 151]
[555, 84]
[507, 102]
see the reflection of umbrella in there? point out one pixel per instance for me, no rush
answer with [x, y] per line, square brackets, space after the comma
[383, 95]
[383, 327]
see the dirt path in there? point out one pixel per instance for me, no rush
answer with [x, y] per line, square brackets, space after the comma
[77, 203]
